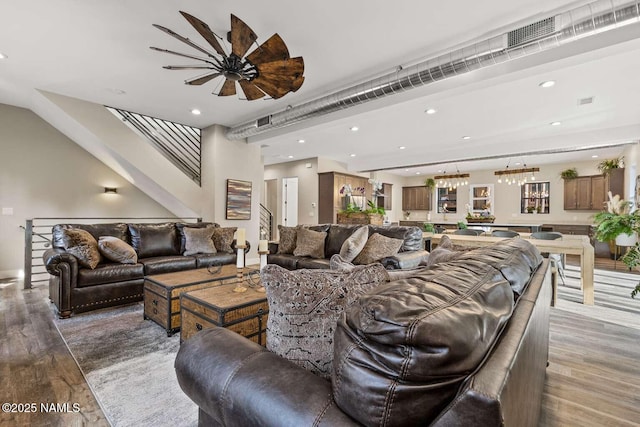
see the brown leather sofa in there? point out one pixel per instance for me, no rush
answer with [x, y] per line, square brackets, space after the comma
[462, 343]
[409, 256]
[75, 289]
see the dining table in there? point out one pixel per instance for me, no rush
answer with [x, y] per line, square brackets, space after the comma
[569, 244]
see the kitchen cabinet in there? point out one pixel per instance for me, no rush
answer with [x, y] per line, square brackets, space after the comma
[330, 201]
[417, 198]
[384, 197]
[590, 192]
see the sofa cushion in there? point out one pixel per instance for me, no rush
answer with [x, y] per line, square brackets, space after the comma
[288, 237]
[288, 261]
[117, 250]
[180, 226]
[336, 236]
[378, 247]
[412, 342]
[314, 263]
[443, 253]
[220, 258]
[167, 264]
[223, 238]
[198, 241]
[82, 245]
[118, 230]
[152, 240]
[411, 236]
[310, 243]
[109, 273]
[304, 306]
[354, 244]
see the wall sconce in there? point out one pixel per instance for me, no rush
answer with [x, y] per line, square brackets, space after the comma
[110, 190]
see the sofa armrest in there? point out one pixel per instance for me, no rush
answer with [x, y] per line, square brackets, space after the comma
[402, 260]
[273, 247]
[238, 382]
[53, 257]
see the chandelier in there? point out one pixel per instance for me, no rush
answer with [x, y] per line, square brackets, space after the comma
[516, 176]
[452, 180]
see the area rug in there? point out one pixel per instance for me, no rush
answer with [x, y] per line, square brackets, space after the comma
[128, 363]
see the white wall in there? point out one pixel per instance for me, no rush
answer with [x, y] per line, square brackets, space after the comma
[223, 159]
[306, 171]
[44, 174]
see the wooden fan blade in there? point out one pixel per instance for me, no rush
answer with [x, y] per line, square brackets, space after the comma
[182, 54]
[297, 83]
[274, 89]
[228, 88]
[250, 90]
[291, 68]
[242, 37]
[187, 67]
[183, 39]
[271, 50]
[205, 32]
[196, 81]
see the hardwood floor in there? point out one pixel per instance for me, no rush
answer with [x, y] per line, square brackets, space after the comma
[593, 378]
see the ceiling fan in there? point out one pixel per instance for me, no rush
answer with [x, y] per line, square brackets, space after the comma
[267, 70]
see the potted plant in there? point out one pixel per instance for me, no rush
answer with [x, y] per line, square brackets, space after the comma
[354, 215]
[430, 183]
[461, 225]
[571, 173]
[606, 165]
[428, 227]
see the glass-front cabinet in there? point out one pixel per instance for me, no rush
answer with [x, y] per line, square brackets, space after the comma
[534, 197]
[447, 200]
[481, 198]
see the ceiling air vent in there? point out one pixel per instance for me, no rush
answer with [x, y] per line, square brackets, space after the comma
[585, 101]
[531, 32]
[263, 121]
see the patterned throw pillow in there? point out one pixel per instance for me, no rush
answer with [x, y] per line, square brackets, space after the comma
[304, 307]
[354, 244]
[83, 246]
[288, 236]
[310, 243]
[117, 250]
[198, 241]
[223, 238]
[378, 247]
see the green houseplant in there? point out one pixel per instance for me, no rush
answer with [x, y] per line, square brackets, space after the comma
[606, 165]
[569, 173]
[430, 183]
[428, 227]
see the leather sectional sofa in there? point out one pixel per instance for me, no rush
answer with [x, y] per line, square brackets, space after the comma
[460, 343]
[410, 255]
[74, 288]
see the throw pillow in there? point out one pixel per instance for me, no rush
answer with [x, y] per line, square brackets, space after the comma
[83, 246]
[223, 238]
[117, 250]
[304, 307]
[378, 247]
[198, 241]
[352, 247]
[310, 243]
[288, 236]
[182, 225]
[340, 264]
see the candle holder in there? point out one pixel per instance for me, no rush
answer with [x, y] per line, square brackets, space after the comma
[240, 266]
[263, 258]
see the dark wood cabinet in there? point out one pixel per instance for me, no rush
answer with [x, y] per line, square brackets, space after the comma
[384, 197]
[590, 192]
[330, 201]
[416, 198]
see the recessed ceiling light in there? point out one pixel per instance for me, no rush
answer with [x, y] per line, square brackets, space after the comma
[439, 170]
[3, 56]
[430, 111]
[417, 173]
[555, 123]
[196, 112]
[595, 156]
[406, 170]
[402, 147]
[466, 137]
[301, 141]
[113, 90]
[547, 84]
[352, 155]
[354, 128]
[290, 156]
[517, 163]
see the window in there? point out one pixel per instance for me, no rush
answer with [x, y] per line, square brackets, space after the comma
[481, 198]
[534, 197]
[447, 200]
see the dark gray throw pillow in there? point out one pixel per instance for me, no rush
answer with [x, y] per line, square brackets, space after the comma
[198, 241]
[116, 250]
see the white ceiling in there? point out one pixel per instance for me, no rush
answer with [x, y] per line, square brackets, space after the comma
[94, 49]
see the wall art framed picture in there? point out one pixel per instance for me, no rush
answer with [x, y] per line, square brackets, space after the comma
[238, 199]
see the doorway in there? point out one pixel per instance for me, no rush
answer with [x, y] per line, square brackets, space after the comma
[290, 202]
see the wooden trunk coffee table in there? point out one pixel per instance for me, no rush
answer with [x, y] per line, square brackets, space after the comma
[243, 312]
[162, 292]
